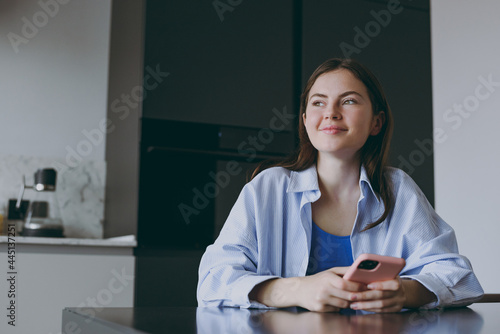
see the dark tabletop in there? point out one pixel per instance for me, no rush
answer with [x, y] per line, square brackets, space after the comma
[477, 318]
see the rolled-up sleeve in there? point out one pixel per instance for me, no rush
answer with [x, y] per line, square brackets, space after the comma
[431, 251]
[448, 275]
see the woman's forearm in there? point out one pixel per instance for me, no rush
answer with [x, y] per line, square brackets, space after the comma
[277, 292]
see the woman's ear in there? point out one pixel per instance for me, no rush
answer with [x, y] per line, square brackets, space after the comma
[377, 123]
[304, 118]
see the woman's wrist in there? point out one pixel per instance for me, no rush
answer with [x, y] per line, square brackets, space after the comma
[277, 292]
[416, 294]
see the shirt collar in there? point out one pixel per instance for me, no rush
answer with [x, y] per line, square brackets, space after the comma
[304, 180]
[363, 179]
[307, 180]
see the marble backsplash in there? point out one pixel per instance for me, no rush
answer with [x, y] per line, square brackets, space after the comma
[80, 190]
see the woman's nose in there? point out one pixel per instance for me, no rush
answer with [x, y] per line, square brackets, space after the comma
[333, 113]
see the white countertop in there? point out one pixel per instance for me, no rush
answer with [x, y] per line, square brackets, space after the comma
[125, 241]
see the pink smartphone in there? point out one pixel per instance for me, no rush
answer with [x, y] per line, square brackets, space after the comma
[370, 268]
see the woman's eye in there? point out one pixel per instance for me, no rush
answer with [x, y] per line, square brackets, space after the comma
[349, 101]
[318, 103]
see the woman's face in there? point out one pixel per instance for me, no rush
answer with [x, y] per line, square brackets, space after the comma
[339, 117]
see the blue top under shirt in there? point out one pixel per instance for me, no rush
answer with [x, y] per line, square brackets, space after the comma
[328, 251]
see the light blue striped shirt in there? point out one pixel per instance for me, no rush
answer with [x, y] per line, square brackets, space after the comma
[268, 235]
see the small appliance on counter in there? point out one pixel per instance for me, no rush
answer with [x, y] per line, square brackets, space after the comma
[16, 215]
[43, 217]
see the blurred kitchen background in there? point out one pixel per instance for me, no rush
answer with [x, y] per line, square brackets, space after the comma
[153, 111]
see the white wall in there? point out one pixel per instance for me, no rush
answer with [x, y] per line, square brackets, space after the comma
[55, 85]
[465, 49]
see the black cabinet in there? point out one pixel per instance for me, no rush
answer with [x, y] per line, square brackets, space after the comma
[230, 62]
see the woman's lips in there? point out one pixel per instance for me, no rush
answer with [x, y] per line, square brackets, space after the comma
[332, 129]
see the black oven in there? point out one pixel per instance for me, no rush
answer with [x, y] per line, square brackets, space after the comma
[191, 175]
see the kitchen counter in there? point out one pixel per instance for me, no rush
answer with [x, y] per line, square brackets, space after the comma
[113, 246]
[45, 275]
[126, 241]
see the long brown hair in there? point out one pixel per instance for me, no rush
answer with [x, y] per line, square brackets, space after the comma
[374, 154]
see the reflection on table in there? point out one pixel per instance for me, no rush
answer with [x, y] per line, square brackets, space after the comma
[478, 318]
[290, 321]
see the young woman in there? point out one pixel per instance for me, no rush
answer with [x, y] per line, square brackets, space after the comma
[297, 226]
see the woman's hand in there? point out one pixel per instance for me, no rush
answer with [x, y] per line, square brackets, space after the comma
[392, 296]
[386, 296]
[327, 291]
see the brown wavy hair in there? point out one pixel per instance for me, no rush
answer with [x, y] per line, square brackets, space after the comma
[374, 155]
